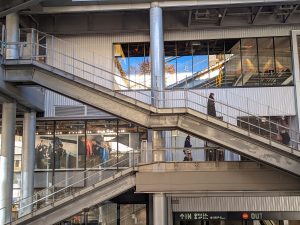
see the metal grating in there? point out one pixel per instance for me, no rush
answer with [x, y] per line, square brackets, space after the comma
[69, 111]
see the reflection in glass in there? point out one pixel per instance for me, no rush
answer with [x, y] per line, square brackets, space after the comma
[216, 63]
[43, 145]
[65, 144]
[170, 63]
[200, 63]
[249, 63]
[184, 62]
[233, 65]
[121, 61]
[266, 61]
[283, 60]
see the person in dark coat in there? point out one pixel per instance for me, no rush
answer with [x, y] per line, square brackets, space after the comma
[187, 142]
[211, 109]
[187, 148]
[285, 137]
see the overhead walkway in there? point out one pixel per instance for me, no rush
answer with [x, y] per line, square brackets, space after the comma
[93, 86]
[61, 201]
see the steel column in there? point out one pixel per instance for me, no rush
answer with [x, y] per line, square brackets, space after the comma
[28, 160]
[296, 72]
[12, 35]
[157, 55]
[7, 160]
[160, 213]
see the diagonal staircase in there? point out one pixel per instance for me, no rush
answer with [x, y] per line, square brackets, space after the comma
[175, 113]
[101, 183]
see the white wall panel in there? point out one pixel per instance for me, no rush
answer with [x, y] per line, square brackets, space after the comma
[98, 50]
[53, 100]
[233, 32]
[236, 203]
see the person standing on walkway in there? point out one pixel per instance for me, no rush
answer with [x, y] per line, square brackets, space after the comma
[211, 108]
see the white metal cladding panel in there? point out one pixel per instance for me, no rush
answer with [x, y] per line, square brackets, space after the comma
[232, 32]
[143, 96]
[220, 203]
[273, 101]
[53, 99]
[265, 101]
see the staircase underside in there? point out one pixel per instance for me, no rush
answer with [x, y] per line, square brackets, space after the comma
[185, 119]
[86, 198]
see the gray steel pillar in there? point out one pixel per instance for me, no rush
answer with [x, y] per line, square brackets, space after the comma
[296, 72]
[7, 160]
[160, 212]
[157, 74]
[12, 35]
[28, 161]
[157, 55]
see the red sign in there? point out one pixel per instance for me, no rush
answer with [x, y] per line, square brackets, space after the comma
[245, 216]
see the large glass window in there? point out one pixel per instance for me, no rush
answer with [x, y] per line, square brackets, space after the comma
[216, 63]
[184, 62]
[170, 63]
[233, 64]
[267, 73]
[250, 75]
[209, 63]
[200, 64]
[283, 62]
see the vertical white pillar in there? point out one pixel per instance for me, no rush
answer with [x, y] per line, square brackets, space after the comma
[7, 160]
[157, 74]
[12, 35]
[160, 212]
[28, 161]
[157, 55]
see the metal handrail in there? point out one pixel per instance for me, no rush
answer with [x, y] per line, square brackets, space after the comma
[94, 74]
[92, 54]
[66, 190]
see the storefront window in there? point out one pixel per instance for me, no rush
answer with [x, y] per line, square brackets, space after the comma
[43, 145]
[67, 153]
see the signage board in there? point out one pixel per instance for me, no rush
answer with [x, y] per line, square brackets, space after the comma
[182, 216]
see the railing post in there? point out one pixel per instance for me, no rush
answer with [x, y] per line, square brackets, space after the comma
[270, 133]
[185, 97]
[248, 117]
[3, 41]
[52, 46]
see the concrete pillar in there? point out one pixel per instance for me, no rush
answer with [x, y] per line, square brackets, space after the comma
[157, 55]
[158, 146]
[285, 222]
[12, 35]
[160, 212]
[7, 160]
[28, 161]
